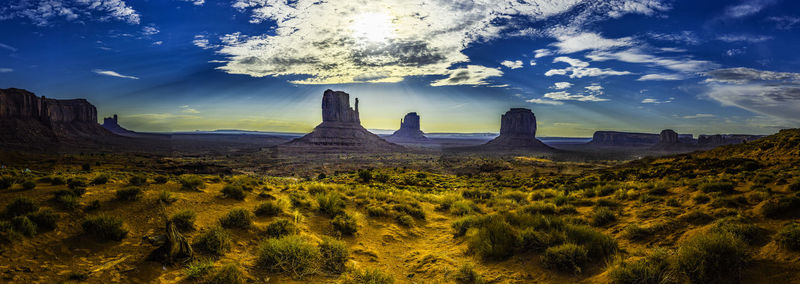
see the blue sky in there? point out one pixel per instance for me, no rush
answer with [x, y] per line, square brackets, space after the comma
[632, 65]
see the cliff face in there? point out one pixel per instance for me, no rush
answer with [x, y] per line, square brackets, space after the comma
[336, 108]
[627, 139]
[725, 139]
[409, 131]
[517, 132]
[668, 136]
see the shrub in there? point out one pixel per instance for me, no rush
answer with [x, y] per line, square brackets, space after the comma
[67, 201]
[652, 269]
[23, 225]
[789, 237]
[334, 255]
[76, 182]
[636, 232]
[289, 254]
[495, 239]
[602, 216]
[104, 227]
[101, 179]
[598, 245]
[28, 185]
[741, 228]
[268, 209]
[45, 219]
[566, 258]
[365, 175]
[377, 211]
[237, 218]
[696, 218]
[672, 202]
[198, 269]
[299, 200]
[724, 187]
[280, 228]
[463, 207]
[712, 257]
[233, 192]
[20, 206]
[160, 180]
[410, 210]
[215, 241]
[78, 191]
[129, 193]
[330, 203]
[461, 225]
[466, 275]
[227, 274]
[368, 276]
[191, 182]
[6, 182]
[166, 197]
[137, 180]
[93, 205]
[781, 207]
[540, 208]
[57, 180]
[537, 241]
[184, 220]
[344, 224]
[405, 220]
[795, 186]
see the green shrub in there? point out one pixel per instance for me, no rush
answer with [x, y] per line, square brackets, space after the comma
[365, 175]
[129, 193]
[215, 241]
[789, 237]
[67, 201]
[101, 179]
[696, 218]
[652, 269]
[330, 203]
[602, 216]
[227, 274]
[78, 191]
[598, 245]
[137, 180]
[57, 180]
[672, 202]
[233, 192]
[23, 225]
[280, 228]
[299, 200]
[268, 209]
[334, 255]
[160, 180]
[712, 257]
[6, 182]
[28, 185]
[461, 225]
[463, 207]
[742, 228]
[289, 254]
[377, 211]
[344, 224]
[93, 205]
[198, 268]
[191, 182]
[635, 232]
[495, 239]
[184, 220]
[45, 219]
[781, 207]
[723, 187]
[104, 227]
[540, 208]
[537, 241]
[367, 276]
[20, 206]
[415, 212]
[566, 258]
[166, 197]
[237, 218]
[76, 182]
[466, 274]
[405, 220]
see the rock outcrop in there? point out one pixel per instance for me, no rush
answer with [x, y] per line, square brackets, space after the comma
[517, 132]
[623, 139]
[725, 139]
[409, 131]
[340, 130]
[112, 124]
[668, 137]
[26, 118]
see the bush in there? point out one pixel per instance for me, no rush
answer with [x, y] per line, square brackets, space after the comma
[237, 218]
[28, 185]
[184, 220]
[652, 269]
[129, 194]
[334, 255]
[712, 257]
[566, 258]
[723, 187]
[198, 269]
[23, 225]
[166, 197]
[789, 237]
[299, 200]
[696, 218]
[289, 254]
[795, 186]
[495, 239]
[365, 175]
[330, 203]
[20, 206]
[104, 227]
[6, 182]
[57, 180]
[67, 201]
[160, 180]
[741, 228]
[233, 191]
[410, 210]
[76, 182]
[405, 220]
[466, 275]
[137, 180]
[45, 219]
[598, 245]
[215, 241]
[635, 232]
[191, 182]
[344, 224]
[781, 207]
[280, 228]
[227, 274]
[368, 276]
[537, 241]
[101, 179]
[377, 211]
[602, 216]
[268, 209]
[461, 225]
[93, 205]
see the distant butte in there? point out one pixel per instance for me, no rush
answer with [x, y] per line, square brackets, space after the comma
[409, 131]
[517, 132]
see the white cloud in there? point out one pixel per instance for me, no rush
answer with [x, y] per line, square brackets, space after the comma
[10, 48]
[742, 75]
[202, 41]
[113, 74]
[566, 96]
[332, 42]
[744, 38]
[512, 64]
[747, 8]
[580, 69]
[561, 85]
[472, 75]
[542, 53]
[637, 55]
[150, 30]
[776, 94]
[785, 22]
[660, 77]
[699, 115]
[532, 62]
[595, 88]
[571, 43]
[687, 37]
[544, 102]
[656, 101]
[158, 42]
[6, 70]
[187, 109]
[43, 12]
[196, 2]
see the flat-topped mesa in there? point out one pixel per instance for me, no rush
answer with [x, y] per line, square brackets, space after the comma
[336, 108]
[112, 124]
[517, 132]
[409, 130]
[668, 137]
[725, 139]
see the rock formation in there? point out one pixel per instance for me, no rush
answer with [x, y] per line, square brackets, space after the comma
[725, 139]
[517, 132]
[668, 137]
[623, 139]
[112, 124]
[409, 131]
[340, 130]
[26, 118]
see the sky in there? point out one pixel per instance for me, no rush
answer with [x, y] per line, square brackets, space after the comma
[698, 67]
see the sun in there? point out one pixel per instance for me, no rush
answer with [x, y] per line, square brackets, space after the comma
[373, 27]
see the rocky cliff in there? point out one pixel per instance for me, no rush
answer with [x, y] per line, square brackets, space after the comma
[340, 130]
[112, 124]
[517, 132]
[725, 139]
[623, 139]
[409, 131]
[668, 137]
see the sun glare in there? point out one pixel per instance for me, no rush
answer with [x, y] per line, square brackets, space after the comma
[373, 27]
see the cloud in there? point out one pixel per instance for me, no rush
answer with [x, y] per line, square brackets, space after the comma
[660, 77]
[158, 42]
[699, 115]
[776, 94]
[387, 38]
[43, 12]
[196, 2]
[595, 89]
[187, 109]
[512, 64]
[747, 8]
[532, 62]
[580, 69]
[656, 101]
[571, 43]
[202, 41]
[638, 55]
[472, 75]
[10, 48]
[113, 74]
[150, 30]
[6, 70]
[561, 85]
[544, 102]
[686, 37]
[742, 75]
[542, 53]
[566, 96]
[744, 38]
[785, 22]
